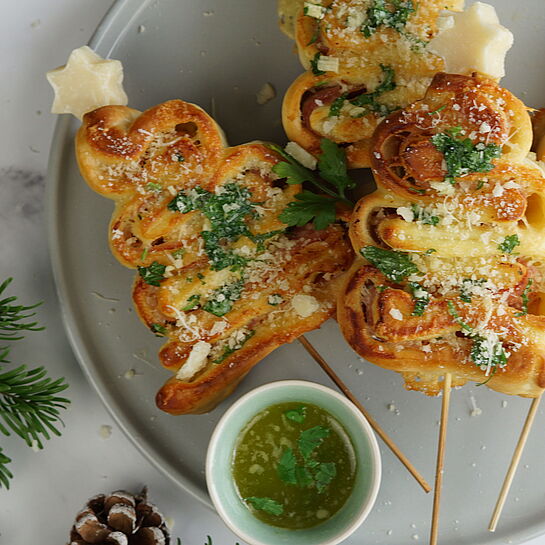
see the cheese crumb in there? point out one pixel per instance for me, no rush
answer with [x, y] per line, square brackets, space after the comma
[472, 40]
[305, 305]
[302, 155]
[406, 213]
[396, 314]
[86, 82]
[328, 64]
[195, 362]
[265, 94]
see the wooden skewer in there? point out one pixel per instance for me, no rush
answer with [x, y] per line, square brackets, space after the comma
[440, 459]
[372, 422]
[514, 464]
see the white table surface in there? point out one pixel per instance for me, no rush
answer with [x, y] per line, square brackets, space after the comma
[50, 486]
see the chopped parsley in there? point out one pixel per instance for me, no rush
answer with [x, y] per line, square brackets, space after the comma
[457, 318]
[275, 299]
[462, 156]
[525, 299]
[394, 265]
[192, 302]
[176, 254]
[154, 274]
[296, 415]
[314, 65]
[231, 349]
[487, 353]
[389, 13]
[423, 216]
[227, 211]
[268, 505]
[467, 288]
[153, 186]
[369, 101]
[438, 110]
[222, 299]
[159, 329]
[509, 243]
[421, 298]
[337, 104]
[333, 181]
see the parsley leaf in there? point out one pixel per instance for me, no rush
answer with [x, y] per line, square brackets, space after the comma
[325, 474]
[389, 13]
[394, 265]
[286, 467]
[462, 156]
[311, 439]
[421, 298]
[333, 182]
[296, 415]
[268, 505]
[154, 274]
[509, 244]
[308, 207]
[332, 167]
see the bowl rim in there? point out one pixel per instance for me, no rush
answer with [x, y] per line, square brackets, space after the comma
[376, 465]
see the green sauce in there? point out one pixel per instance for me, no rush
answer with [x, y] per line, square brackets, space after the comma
[294, 465]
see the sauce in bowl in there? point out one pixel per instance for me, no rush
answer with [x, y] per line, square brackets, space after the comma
[294, 465]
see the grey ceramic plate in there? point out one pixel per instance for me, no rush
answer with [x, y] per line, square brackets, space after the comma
[218, 53]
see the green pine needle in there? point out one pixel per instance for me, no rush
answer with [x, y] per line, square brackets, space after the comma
[29, 404]
[12, 316]
[5, 473]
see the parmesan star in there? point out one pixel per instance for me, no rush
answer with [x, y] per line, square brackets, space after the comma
[473, 40]
[86, 82]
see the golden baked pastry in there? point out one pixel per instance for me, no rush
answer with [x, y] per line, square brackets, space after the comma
[452, 243]
[364, 59]
[220, 276]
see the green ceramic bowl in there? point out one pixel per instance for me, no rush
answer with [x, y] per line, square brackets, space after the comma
[221, 485]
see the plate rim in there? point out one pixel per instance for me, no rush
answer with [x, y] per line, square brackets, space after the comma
[61, 144]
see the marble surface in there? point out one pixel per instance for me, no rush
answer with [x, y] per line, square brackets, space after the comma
[51, 485]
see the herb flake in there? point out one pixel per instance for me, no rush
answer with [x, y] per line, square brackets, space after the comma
[394, 265]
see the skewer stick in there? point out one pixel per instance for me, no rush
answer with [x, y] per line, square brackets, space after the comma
[372, 422]
[514, 464]
[440, 458]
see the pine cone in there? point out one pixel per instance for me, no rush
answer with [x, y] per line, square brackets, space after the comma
[120, 518]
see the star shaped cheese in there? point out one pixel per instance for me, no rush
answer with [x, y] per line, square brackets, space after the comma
[86, 82]
[473, 40]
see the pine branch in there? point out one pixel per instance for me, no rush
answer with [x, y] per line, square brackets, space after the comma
[29, 404]
[12, 316]
[5, 473]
